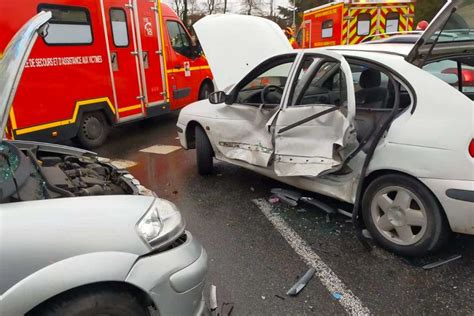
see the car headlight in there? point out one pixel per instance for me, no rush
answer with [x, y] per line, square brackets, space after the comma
[161, 224]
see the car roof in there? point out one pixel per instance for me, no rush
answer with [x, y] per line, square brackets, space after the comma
[405, 39]
[402, 49]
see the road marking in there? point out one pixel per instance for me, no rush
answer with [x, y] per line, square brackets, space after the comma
[328, 278]
[160, 149]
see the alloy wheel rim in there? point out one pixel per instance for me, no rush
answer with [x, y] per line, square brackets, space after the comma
[399, 215]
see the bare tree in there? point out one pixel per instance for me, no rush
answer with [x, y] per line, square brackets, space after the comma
[193, 7]
[252, 6]
[181, 9]
[210, 6]
[225, 6]
[178, 7]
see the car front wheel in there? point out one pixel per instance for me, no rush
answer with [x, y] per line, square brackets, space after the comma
[99, 302]
[403, 216]
[204, 152]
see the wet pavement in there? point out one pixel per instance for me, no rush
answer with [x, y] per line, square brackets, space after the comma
[253, 266]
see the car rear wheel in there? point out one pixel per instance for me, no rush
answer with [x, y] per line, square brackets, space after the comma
[403, 216]
[204, 152]
[93, 130]
[98, 302]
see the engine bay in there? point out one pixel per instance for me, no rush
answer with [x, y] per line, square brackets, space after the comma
[31, 171]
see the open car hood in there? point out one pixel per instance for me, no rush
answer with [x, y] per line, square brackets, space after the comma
[452, 29]
[235, 44]
[13, 63]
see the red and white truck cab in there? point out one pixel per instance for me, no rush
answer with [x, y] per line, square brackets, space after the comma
[101, 63]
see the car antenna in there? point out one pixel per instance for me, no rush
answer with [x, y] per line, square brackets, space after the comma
[430, 50]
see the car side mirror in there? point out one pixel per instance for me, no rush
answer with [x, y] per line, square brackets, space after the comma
[217, 97]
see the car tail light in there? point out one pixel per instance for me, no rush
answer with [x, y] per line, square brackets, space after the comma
[467, 76]
[471, 148]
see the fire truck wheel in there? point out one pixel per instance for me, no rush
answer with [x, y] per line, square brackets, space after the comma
[93, 130]
[206, 89]
[204, 153]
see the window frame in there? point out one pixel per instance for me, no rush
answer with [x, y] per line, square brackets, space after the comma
[359, 20]
[260, 69]
[181, 28]
[392, 19]
[44, 7]
[325, 28]
[112, 28]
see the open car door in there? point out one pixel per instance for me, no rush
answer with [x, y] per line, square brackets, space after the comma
[314, 132]
[450, 33]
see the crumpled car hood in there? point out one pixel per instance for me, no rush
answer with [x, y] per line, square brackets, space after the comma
[235, 44]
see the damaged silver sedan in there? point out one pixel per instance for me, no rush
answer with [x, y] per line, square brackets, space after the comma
[367, 124]
[81, 237]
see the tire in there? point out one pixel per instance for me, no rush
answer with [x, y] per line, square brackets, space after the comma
[403, 216]
[204, 153]
[97, 302]
[205, 90]
[93, 130]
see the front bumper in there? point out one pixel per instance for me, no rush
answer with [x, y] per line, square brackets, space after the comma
[174, 279]
[182, 135]
[456, 198]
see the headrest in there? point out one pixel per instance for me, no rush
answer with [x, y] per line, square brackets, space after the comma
[370, 78]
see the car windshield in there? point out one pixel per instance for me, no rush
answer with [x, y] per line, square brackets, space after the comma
[459, 27]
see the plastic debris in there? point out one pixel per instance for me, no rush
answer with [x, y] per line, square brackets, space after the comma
[213, 298]
[337, 295]
[263, 297]
[287, 196]
[301, 283]
[430, 266]
[273, 200]
[252, 189]
[226, 309]
[366, 234]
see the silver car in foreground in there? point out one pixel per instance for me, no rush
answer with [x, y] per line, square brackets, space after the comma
[80, 237]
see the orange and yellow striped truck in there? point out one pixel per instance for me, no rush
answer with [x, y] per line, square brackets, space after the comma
[348, 22]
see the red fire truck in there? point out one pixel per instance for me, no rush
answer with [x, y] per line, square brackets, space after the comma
[350, 21]
[101, 63]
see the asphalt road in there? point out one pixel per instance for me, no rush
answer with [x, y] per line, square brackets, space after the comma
[252, 264]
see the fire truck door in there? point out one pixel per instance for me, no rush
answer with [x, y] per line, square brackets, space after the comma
[363, 22]
[124, 59]
[182, 73]
[150, 45]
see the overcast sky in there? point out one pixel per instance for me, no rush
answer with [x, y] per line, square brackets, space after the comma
[235, 5]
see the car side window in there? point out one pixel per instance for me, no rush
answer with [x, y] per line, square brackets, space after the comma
[180, 40]
[274, 77]
[448, 71]
[319, 82]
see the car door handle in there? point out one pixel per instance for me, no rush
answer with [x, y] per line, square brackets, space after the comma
[178, 67]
